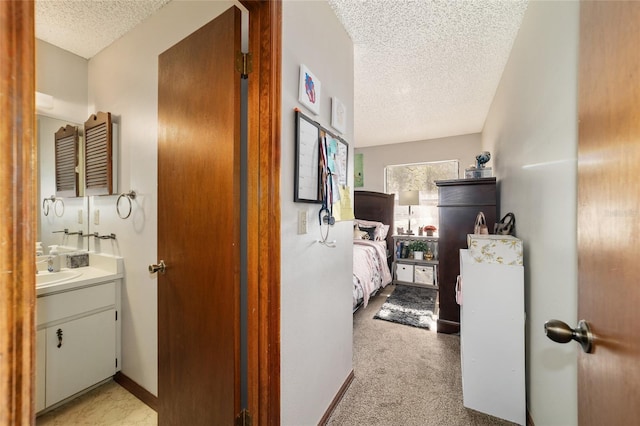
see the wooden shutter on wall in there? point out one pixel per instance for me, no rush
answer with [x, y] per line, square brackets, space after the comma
[66, 152]
[98, 154]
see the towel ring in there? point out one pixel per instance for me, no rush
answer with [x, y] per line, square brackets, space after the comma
[56, 203]
[46, 206]
[131, 195]
[58, 206]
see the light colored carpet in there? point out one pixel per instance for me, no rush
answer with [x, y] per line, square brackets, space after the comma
[404, 376]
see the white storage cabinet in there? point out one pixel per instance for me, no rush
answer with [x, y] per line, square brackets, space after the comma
[77, 341]
[492, 325]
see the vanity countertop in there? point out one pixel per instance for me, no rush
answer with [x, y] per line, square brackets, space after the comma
[101, 268]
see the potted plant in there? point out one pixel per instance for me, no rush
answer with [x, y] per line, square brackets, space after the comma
[418, 248]
[430, 229]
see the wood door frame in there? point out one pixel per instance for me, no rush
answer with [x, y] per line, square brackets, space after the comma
[17, 219]
[263, 211]
[18, 226]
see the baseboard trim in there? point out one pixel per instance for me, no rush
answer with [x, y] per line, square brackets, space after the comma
[337, 399]
[136, 390]
[448, 327]
[530, 419]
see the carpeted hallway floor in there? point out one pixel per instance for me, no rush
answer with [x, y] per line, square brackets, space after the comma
[404, 376]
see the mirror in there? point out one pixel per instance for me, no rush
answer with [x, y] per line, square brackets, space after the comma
[58, 213]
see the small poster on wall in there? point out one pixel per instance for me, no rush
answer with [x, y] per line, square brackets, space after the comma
[309, 90]
[338, 115]
[358, 178]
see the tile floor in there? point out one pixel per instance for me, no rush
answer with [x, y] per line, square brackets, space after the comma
[107, 405]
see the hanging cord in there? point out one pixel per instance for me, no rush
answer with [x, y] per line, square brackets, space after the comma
[325, 215]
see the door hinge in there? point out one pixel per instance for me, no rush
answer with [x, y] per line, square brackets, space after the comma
[244, 418]
[244, 64]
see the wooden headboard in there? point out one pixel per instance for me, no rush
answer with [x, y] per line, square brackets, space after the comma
[368, 205]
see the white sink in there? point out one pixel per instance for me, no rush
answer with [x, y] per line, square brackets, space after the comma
[43, 278]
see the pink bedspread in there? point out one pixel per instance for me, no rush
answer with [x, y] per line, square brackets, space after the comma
[370, 266]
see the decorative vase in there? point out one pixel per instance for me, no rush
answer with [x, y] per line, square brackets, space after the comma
[429, 254]
[429, 233]
[418, 255]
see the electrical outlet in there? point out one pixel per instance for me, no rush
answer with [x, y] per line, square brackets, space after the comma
[302, 222]
[96, 217]
[80, 216]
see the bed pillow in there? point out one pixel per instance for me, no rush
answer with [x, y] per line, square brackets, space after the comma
[371, 231]
[360, 235]
[381, 230]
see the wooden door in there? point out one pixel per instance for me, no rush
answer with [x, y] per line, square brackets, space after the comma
[199, 226]
[609, 211]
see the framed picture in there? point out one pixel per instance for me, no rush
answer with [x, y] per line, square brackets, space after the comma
[306, 186]
[358, 175]
[309, 90]
[338, 158]
[338, 115]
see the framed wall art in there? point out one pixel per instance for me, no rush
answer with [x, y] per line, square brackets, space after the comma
[338, 115]
[338, 157]
[307, 168]
[358, 167]
[309, 90]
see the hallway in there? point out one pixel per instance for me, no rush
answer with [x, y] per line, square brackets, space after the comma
[404, 376]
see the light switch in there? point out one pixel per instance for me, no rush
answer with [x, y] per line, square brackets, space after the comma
[302, 222]
[96, 217]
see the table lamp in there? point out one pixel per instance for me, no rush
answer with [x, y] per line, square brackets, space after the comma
[409, 198]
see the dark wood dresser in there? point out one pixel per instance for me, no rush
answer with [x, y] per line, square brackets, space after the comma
[459, 202]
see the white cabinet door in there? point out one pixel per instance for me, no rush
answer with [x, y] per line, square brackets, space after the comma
[492, 321]
[82, 357]
[41, 353]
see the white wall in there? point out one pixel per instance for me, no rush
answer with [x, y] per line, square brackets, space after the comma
[123, 79]
[63, 75]
[463, 148]
[531, 131]
[316, 319]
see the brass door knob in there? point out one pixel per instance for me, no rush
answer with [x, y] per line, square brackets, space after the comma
[160, 267]
[560, 332]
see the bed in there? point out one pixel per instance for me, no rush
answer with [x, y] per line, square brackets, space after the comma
[373, 232]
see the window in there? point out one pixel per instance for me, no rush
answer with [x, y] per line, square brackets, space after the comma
[420, 177]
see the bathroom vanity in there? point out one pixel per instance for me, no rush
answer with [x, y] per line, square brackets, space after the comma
[78, 329]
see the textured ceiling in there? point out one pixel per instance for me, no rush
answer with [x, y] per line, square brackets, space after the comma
[85, 27]
[426, 69]
[423, 68]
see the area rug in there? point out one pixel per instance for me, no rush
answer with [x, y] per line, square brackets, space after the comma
[409, 305]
